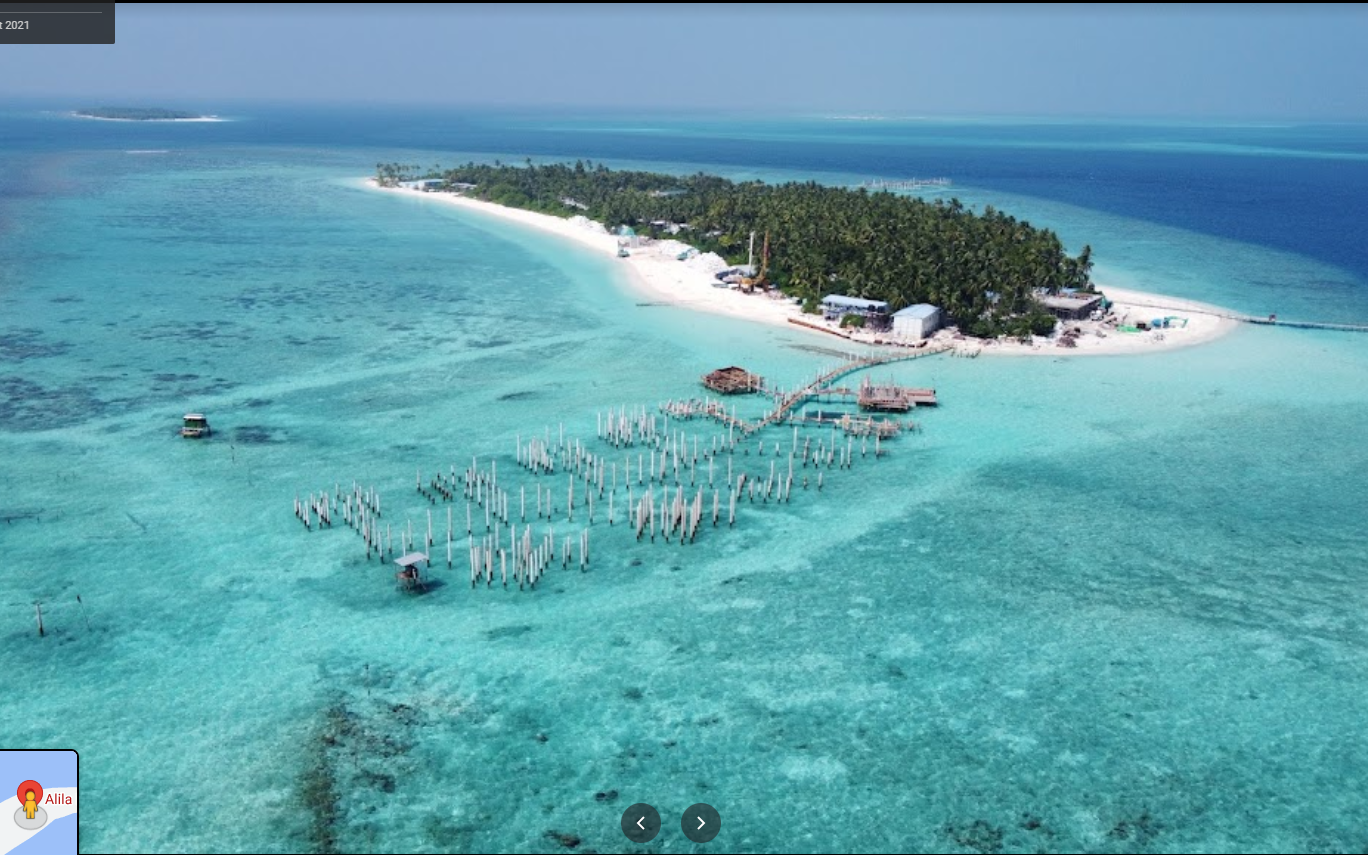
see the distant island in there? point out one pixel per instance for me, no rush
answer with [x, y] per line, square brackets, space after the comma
[140, 114]
[987, 270]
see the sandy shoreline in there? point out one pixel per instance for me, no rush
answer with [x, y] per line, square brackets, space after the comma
[76, 115]
[658, 275]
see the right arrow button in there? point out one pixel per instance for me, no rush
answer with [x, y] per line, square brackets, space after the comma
[701, 822]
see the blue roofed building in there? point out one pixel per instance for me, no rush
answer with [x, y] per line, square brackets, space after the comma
[837, 306]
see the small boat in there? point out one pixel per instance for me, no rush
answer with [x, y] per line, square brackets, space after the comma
[196, 426]
[622, 252]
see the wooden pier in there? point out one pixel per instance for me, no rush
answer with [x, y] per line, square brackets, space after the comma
[821, 385]
[853, 425]
[733, 380]
[886, 397]
[1303, 325]
[651, 474]
[1263, 320]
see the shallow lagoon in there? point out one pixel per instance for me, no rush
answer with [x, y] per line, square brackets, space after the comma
[1095, 604]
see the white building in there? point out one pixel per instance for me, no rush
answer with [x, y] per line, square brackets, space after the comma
[430, 185]
[916, 322]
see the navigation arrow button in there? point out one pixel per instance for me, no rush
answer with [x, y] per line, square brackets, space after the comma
[641, 823]
[708, 819]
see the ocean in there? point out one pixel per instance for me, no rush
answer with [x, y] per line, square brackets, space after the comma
[1093, 604]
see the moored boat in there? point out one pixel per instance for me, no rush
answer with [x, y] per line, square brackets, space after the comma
[196, 426]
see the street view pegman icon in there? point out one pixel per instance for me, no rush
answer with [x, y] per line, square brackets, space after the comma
[30, 814]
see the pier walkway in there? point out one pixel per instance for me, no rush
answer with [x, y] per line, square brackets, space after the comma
[1305, 325]
[787, 401]
[1265, 321]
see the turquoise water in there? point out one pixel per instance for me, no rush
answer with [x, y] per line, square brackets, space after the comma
[1109, 604]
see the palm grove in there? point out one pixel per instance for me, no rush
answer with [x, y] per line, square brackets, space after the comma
[982, 269]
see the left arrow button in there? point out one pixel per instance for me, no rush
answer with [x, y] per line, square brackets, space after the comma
[641, 823]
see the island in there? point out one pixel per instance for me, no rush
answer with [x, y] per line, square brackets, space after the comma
[814, 240]
[142, 114]
[864, 263]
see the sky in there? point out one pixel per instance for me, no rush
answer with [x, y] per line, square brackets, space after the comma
[1279, 61]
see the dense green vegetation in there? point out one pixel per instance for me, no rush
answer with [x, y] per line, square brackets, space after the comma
[983, 269]
[140, 114]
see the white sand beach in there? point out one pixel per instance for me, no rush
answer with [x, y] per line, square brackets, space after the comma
[1196, 323]
[656, 272]
[76, 115]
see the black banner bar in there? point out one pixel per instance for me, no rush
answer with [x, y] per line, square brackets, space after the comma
[56, 23]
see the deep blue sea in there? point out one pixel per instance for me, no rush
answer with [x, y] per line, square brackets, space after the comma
[1094, 604]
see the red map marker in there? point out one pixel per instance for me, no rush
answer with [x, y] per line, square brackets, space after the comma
[24, 789]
